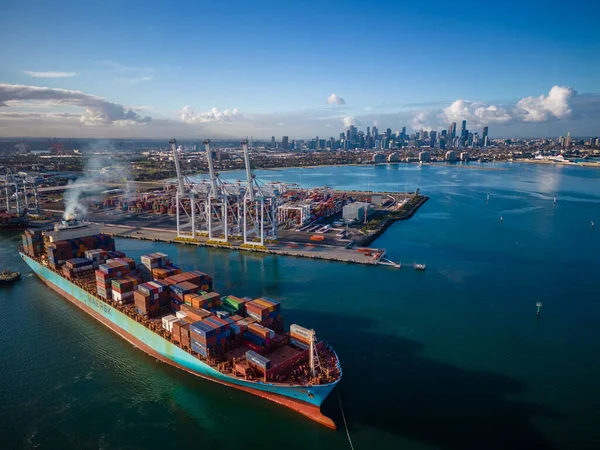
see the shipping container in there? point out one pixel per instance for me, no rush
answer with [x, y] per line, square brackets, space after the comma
[257, 360]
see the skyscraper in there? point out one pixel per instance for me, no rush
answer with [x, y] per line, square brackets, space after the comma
[484, 135]
[272, 141]
[368, 131]
[388, 133]
[464, 127]
[403, 135]
[452, 131]
[285, 142]
[375, 133]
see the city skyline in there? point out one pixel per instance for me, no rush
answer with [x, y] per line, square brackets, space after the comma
[269, 69]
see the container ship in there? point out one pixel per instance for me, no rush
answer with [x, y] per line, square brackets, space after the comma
[176, 317]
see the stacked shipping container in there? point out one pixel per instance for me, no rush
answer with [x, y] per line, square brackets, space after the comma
[33, 242]
[60, 251]
[78, 268]
[153, 261]
[264, 310]
[152, 298]
[106, 273]
[123, 288]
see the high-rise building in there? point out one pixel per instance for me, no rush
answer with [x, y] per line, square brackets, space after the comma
[375, 133]
[403, 135]
[368, 131]
[388, 133]
[464, 127]
[484, 134]
[568, 140]
[285, 142]
[452, 131]
[272, 141]
[433, 137]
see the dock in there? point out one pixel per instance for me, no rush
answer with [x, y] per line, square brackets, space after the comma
[370, 256]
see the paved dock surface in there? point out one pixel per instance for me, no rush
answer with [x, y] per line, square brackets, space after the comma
[314, 251]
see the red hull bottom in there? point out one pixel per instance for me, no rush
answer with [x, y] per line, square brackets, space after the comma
[310, 411]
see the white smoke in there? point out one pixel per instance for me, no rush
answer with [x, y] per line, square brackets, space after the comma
[189, 115]
[99, 171]
[334, 99]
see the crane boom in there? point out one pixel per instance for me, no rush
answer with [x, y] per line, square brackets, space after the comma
[211, 168]
[248, 171]
[180, 184]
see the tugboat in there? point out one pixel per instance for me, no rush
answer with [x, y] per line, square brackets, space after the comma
[8, 277]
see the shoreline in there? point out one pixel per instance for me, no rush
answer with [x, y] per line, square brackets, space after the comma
[461, 164]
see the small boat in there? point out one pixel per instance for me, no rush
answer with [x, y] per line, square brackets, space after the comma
[7, 276]
[419, 266]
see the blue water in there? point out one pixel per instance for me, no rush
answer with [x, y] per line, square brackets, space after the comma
[450, 358]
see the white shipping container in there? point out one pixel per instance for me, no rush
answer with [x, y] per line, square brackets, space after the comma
[301, 331]
[180, 314]
[167, 322]
[121, 297]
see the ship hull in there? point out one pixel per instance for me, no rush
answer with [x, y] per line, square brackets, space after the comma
[304, 399]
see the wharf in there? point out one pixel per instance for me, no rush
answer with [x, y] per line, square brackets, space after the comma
[313, 251]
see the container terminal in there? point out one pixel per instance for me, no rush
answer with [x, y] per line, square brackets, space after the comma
[177, 317]
[272, 217]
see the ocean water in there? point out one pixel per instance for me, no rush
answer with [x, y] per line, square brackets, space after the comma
[450, 358]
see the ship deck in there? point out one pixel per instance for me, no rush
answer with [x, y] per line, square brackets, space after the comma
[223, 362]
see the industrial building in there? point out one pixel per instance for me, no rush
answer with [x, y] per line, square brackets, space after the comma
[357, 211]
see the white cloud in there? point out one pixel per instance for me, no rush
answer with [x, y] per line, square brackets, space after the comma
[334, 99]
[555, 106]
[113, 65]
[97, 109]
[476, 113]
[561, 103]
[135, 80]
[422, 121]
[189, 115]
[33, 74]
[349, 120]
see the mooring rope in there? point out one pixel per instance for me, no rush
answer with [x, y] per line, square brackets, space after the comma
[345, 424]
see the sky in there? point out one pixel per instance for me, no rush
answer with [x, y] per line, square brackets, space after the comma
[227, 69]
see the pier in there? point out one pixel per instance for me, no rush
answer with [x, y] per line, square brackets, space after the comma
[366, 256]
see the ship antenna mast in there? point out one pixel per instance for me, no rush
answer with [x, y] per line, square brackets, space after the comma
[315, 363]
